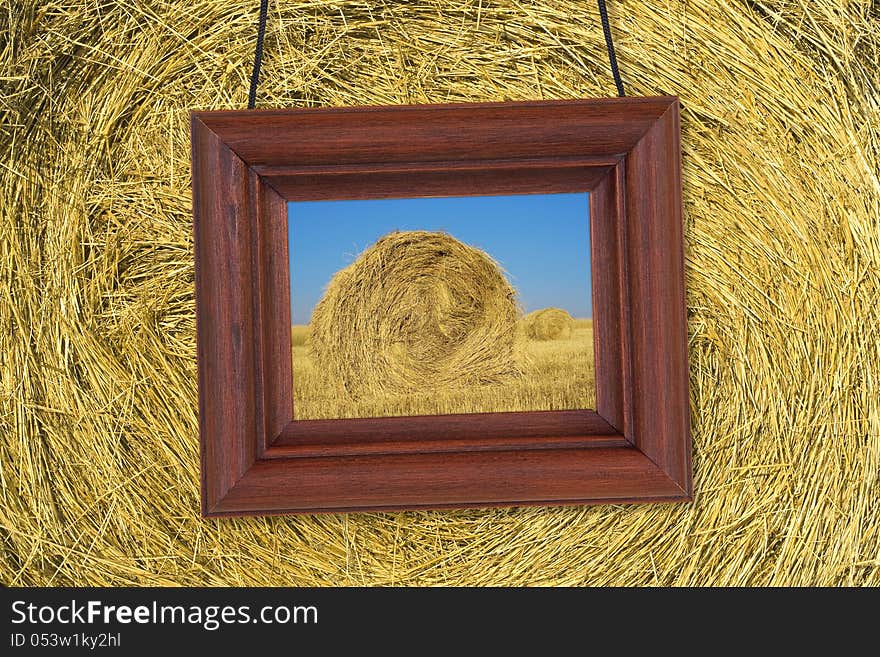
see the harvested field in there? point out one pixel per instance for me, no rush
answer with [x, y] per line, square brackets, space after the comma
[556, 374]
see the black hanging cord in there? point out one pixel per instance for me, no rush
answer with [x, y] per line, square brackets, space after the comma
[261, 32]
[609, 44]
[258, 55]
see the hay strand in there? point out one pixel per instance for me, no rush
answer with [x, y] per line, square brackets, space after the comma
[417, 311]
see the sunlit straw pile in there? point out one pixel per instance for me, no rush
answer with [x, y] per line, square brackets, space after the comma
[781, 175]
[417, 311]
[548, 324]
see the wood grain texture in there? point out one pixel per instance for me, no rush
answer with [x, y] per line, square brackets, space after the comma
[445, 433]
[610, 299]
[256, 459]
[420, 183]
[425, 133]
[658, 340]
[395, 481]
[273, 295]
[226, 331]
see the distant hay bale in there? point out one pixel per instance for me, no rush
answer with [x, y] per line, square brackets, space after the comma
[548, 324]
[417, 311]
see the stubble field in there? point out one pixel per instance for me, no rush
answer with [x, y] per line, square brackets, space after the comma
[557, 374]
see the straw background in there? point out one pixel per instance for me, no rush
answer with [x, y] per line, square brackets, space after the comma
[98, 426]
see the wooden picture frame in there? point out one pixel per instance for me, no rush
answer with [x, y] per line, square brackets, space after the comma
[635, 447]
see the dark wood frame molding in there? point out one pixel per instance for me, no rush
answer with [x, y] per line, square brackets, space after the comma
[635, 447]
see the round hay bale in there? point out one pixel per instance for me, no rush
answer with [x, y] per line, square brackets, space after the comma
[417, 311]
[548, 324]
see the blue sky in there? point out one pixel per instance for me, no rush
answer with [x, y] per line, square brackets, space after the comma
[541, 240]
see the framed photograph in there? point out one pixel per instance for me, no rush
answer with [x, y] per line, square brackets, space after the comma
[440, 306]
